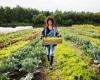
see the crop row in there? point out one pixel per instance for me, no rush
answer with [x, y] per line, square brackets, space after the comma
[69, 66]
[90, 49]
[5, 52]
[10, 39]
[89, 33]
[26, 58]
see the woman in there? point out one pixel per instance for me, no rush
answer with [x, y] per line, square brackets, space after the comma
[49, 31]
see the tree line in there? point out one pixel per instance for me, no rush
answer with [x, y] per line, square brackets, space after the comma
[19, 16]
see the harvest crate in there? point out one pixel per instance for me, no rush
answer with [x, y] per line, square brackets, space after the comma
[51, 40]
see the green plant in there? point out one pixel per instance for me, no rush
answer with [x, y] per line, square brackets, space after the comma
[92, 50]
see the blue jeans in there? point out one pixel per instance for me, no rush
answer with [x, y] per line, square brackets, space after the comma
[50, 50]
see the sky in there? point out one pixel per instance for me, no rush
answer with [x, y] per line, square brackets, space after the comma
[52, 5]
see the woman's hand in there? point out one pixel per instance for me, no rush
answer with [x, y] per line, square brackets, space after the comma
[58, 35]
[41, 37]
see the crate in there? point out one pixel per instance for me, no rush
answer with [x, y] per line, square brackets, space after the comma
[52, 40]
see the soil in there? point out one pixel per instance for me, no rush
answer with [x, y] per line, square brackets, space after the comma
[16, 74]
[39, 76]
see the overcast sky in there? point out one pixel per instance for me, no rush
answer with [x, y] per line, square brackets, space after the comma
[52, 5]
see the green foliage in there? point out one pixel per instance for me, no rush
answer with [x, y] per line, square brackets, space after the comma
[92, 50]
[15, 34]
[3, 77]
[38, 20]
[22, 16]
[28, 56]
[71, 66]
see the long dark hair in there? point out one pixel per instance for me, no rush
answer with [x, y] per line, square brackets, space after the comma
[47, 19]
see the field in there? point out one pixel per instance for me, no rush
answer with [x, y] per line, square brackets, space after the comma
[23, 57]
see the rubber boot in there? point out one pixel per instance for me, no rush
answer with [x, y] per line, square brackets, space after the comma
[51, 63]
[48, 57]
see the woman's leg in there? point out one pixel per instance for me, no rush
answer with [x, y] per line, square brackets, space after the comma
[51, 55]
[48, 52]
[52, 50]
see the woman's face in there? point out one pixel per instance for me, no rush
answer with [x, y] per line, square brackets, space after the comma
[49, 23]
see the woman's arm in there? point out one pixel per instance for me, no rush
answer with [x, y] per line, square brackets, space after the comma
[43, 33]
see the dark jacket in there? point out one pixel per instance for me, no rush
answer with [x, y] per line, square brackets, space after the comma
[50, 33]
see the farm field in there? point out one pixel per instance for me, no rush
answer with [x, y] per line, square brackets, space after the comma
[22, 56]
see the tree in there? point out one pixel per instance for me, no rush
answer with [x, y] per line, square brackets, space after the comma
[2, 19]
[58, 17]
[38, 19]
